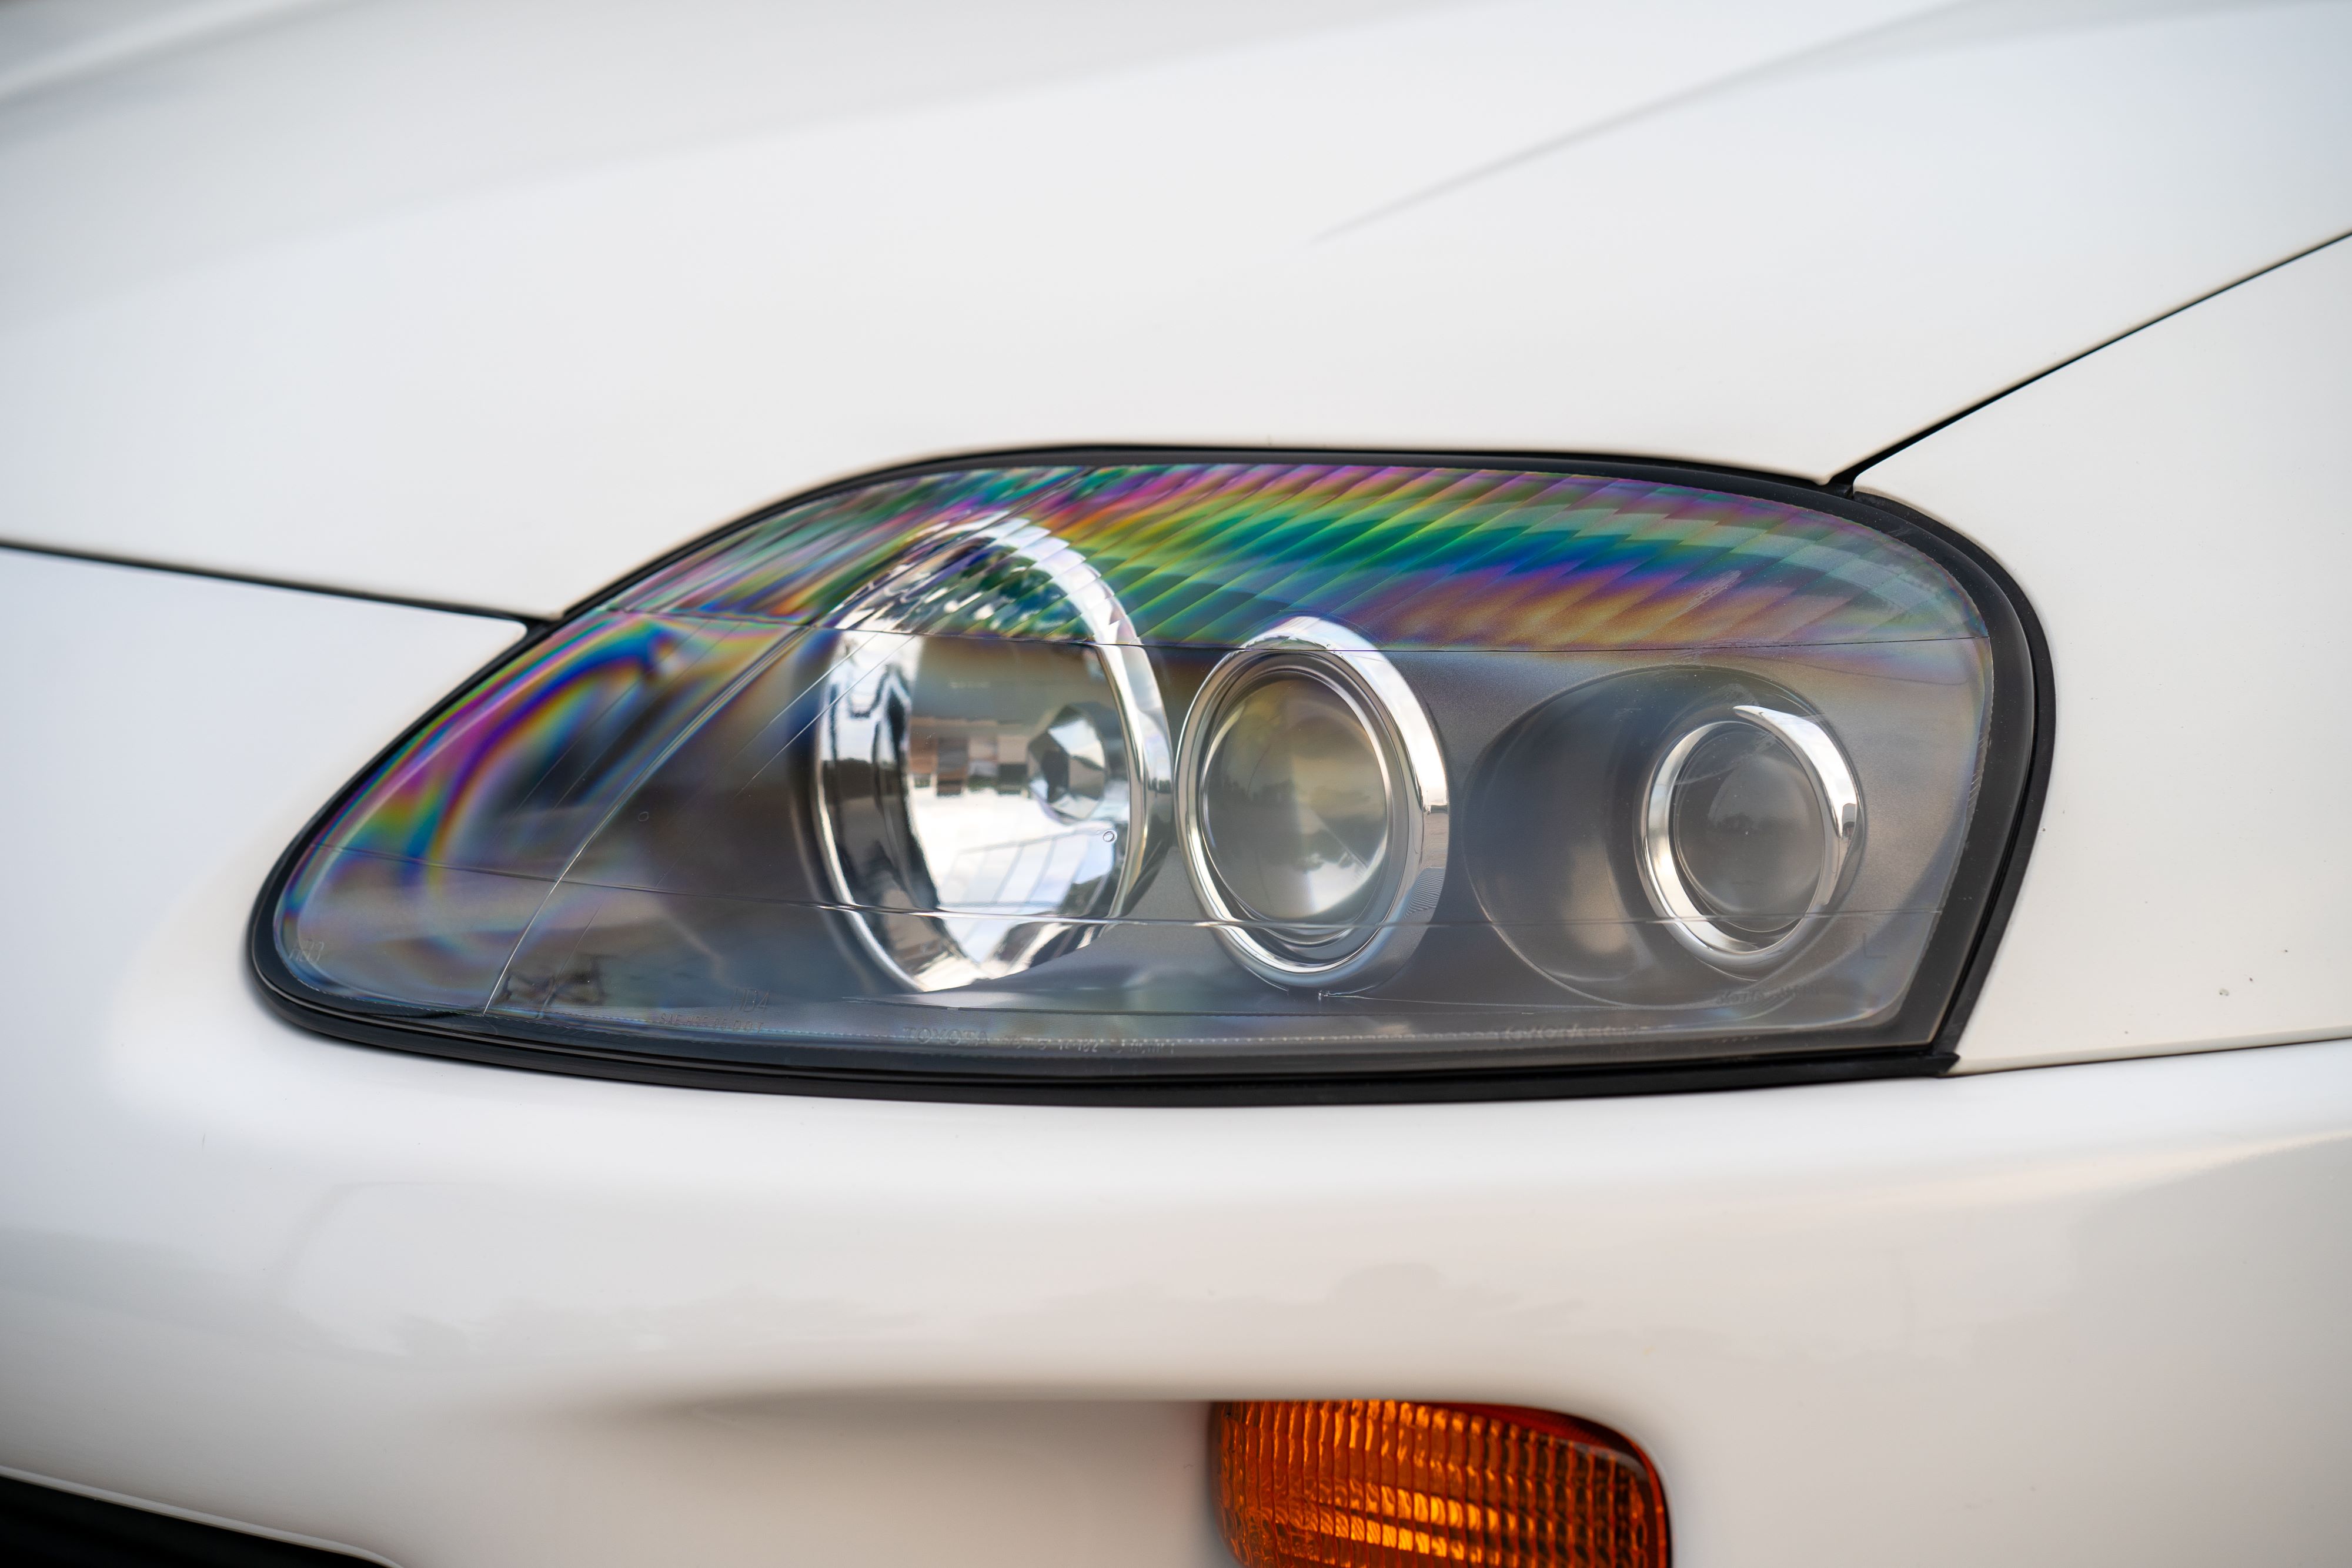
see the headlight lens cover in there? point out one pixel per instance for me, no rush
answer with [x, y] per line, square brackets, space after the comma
[1139, 770]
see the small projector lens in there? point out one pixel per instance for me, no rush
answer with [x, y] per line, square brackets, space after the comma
[1293, 803]
[1748, 831]
[1751, 824]
[1311, 802]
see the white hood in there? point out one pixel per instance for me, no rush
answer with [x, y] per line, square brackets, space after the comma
[490, 302]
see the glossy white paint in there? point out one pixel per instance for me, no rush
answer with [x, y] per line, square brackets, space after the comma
[2175, 508]
[324, 299]
[456, 1316]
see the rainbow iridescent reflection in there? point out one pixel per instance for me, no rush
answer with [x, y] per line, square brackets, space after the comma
[1412, 558]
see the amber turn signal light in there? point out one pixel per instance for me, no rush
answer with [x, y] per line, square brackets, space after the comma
[1388, 1483]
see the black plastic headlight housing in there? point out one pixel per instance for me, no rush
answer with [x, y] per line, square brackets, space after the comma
[1140, 774]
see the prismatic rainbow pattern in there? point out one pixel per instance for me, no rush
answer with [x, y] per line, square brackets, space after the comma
[1413, 558]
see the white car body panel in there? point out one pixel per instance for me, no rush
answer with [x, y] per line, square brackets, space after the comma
[509, 395]
[456, 1315]
[2171, 508]
[447, 1316]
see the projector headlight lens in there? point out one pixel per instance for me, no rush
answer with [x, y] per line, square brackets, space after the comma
[1747, 829]
[1313, 804]
[1527, 769]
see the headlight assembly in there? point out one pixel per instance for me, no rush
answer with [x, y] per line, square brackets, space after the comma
[1130, 774]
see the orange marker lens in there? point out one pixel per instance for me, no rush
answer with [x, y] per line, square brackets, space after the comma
[1387, 1483]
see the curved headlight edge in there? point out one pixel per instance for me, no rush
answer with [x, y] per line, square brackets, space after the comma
[1150, 775]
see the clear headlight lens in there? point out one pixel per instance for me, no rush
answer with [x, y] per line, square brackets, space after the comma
[1466, 769]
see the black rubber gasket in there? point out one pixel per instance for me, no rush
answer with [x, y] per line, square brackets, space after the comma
[1918, 1040]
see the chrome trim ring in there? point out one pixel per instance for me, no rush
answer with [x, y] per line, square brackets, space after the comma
[1413, 769]
[1836, 794]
